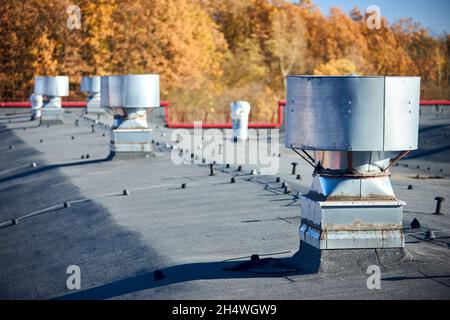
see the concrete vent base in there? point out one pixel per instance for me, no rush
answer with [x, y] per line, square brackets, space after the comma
[312, 260]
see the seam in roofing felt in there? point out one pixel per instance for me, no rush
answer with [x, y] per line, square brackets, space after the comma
[61, 205]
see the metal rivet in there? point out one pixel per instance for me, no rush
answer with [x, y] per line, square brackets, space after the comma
[88, 156]
[11, 147]
[82, 156]
[126, 192]
[73, 138]
[410, 187]
[33, 165]
[183, 186]
[15, 221]
[67, 205]
[233, 180]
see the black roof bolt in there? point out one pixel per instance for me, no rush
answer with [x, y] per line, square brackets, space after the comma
[227, 166]
[203, 160]
[67, 205]
[33, 165]
[442, 170]
[211, 169]
[82, 156]
[42, 141]
[153, 141]
[157, 143]
[73, 138]
[103, 135]
[287, 190]
[299, 177]
[278, 180]
[294, 167]
[239, 168]
[233, 180]
[183, 186]
[254, 257]
[88, 156]
[283, 184]
[418, 167]
[11, 147]
[158, 275]
[93, 128]
[410, 187]
[439, 201]
[415, 224]
[126, 192]
[76, 123]
[192, 155]
[429, 168]
[15, 221]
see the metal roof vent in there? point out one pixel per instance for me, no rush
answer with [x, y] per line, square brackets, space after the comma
[357, 129]
[130, 98]
[239, 115]
[53, 89]
[37, 98]
[91, 85]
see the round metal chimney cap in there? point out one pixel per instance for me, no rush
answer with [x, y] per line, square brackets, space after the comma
[90, 84]
[85, 84]
[352, 113]
[111, 91]
[141, 91]
[39, 85]
[57, 86]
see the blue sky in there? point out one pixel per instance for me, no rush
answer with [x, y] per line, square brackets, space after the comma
[433, 14]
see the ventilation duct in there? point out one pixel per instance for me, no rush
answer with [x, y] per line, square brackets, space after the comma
[54, 88]
[130, 98]
[37, 98]
[240, 111]
[356, 129]
[91, 86]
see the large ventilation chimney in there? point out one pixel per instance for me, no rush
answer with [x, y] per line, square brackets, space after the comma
[356, 129]
[37, 98]
[130, 97]
[54, 88]
[91, 86]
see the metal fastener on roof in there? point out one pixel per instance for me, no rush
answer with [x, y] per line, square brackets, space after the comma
[439, 201]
